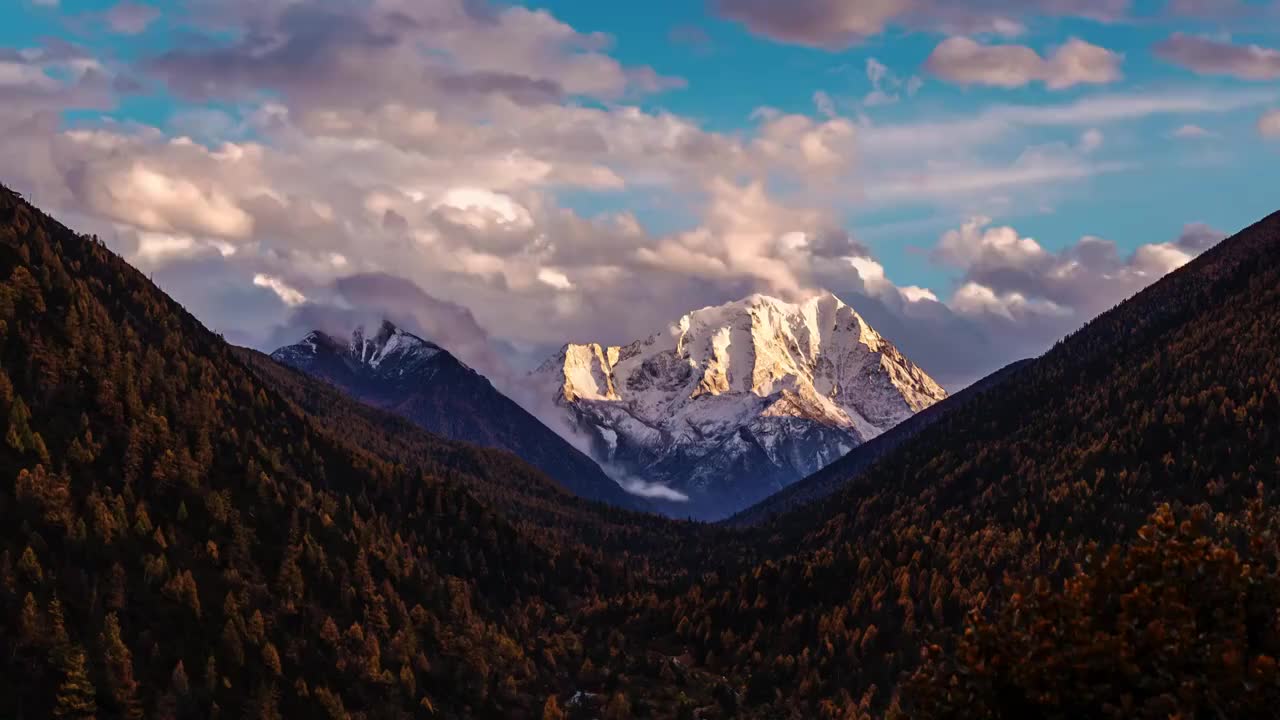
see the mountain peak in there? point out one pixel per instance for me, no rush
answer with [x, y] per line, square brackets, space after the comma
[759, 365]
[389, 343]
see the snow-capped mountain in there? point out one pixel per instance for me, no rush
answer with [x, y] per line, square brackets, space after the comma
[733, 403]
[424, 383]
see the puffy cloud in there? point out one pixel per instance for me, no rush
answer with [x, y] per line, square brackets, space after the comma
[376, 157]
[1215, 57]
[151, 199]
[806, 146]
[1014, 280]
[1269, 124]
[974, 299]
[967, 62]
[975, 244]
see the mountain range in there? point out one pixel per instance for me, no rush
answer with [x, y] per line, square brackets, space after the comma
[195, 530]
[417, 379]
[731, 404]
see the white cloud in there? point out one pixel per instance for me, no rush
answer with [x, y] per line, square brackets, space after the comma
[555, 279]
[1014, 279]
[150, 198]
[976, 300]
[656, 491]
[481, 209]
[288, 295]
[967, 62]
[976, 243]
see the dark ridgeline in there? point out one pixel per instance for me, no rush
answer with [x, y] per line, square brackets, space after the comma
[420, 381]
[191, 527]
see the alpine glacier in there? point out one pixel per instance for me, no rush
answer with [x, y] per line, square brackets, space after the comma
[733, 403]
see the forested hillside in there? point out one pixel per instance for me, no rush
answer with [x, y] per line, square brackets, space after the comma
[183, 539]
[1173, 397]
[194, 531]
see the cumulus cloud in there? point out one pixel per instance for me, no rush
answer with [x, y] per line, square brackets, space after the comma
[368, 160]
[1207, 56]
[1009, 279]
[967, 62]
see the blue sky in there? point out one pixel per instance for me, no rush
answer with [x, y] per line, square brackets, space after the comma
[981, 176]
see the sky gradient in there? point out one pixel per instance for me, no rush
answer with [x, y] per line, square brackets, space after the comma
[976, 177]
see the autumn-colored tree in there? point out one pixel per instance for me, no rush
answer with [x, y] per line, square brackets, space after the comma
[76, 696]
[551, 709]
[121, 687]
[619, 707]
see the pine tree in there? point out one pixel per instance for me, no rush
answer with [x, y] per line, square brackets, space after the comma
[121, 685]
[75, 697]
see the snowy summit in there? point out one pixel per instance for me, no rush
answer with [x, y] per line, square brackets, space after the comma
[734, 402]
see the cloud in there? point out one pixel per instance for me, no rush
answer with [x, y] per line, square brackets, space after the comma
[1213, 57]
[1012, 298]
[836, 24]
[821, 23]
[346, 54]
[376, 158]
[288, 295]
[657, 491]
[1009, 278]
[886, 86]
[967, 62]
[148, 197]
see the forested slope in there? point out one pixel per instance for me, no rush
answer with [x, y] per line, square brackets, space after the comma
[182, 539]
[1173, 397]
